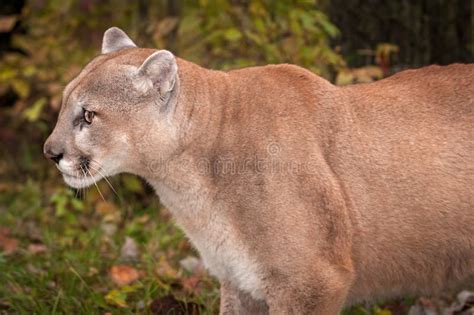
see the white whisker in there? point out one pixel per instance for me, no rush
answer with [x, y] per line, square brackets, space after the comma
[95, 183]
[98, 170]
[83, 179]
[78, 190]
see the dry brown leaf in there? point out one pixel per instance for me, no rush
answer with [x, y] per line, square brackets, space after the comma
[33, 269]
[104, 207]
[123, 274]
[164, 269]
[4, 231]
[8, 245]
[109, 228]
[143, 219]
[191, 284]
[6, 187]
[92, 271]
[184, 245]
[129, 251]
[37, 248]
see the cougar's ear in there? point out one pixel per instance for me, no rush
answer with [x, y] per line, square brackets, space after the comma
[158, 71]
[115, 39]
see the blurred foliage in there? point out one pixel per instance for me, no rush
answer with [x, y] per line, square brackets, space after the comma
[63, 250]
[259, 32]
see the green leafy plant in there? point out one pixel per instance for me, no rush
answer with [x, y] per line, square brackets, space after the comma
[225, 34]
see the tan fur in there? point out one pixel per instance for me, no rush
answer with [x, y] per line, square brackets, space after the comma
[301, 196]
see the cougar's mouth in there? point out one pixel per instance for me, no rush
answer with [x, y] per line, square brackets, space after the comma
[82, 175]
[86, 180]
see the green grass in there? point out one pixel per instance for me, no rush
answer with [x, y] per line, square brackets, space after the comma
[83, 238]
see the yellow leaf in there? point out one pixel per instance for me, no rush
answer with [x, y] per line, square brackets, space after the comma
[32, 114]
[21, 87]
[117, 297]
[383, 311]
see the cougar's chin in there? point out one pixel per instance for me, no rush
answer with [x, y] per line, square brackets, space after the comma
[81, 182]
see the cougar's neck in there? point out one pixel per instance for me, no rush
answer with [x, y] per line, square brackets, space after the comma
[186, 185]
[201, 100]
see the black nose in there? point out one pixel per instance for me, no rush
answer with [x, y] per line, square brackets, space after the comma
[50, 154]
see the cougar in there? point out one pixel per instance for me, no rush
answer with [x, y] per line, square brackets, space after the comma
[300, 196]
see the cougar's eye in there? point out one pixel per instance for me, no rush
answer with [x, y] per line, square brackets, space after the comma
[88, 116]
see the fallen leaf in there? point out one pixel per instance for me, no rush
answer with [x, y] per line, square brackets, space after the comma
[117, 297]
[191, 284]
[4, 231]
[191, 264]
[8, 245]
[92, 271]
[129, 251]
[51, 284]
[5, 186]
[109, 228]
[104, 207]
[37, 248]
[143, 219]
[123, 274]
[164, 269]
[33, 269]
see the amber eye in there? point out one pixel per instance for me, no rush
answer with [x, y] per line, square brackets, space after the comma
[88, 116]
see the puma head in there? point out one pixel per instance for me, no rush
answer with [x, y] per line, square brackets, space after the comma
[118, 103]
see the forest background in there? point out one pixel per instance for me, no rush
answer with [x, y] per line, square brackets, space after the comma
[119, 252]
